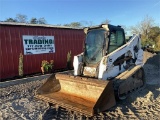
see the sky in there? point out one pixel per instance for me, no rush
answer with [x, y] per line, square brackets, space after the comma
[119, 12]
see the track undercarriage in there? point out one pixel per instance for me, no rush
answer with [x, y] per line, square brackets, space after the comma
[128, 81]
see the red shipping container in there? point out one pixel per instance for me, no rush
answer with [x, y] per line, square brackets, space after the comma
[11, 45]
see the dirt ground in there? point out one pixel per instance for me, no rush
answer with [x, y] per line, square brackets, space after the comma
[17, 101]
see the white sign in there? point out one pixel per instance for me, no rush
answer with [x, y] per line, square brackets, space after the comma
[38, 44]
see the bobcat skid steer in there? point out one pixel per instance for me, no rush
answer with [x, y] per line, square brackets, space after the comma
[107, 70]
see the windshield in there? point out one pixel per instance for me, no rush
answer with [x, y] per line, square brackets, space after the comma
[94, 46]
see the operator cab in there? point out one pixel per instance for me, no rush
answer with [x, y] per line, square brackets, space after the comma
[100, 42]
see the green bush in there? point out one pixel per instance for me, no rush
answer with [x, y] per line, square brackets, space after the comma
[20, 67]
[47, 65]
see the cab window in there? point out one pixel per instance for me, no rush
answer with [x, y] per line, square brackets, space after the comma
[116, 40]
[120, 38]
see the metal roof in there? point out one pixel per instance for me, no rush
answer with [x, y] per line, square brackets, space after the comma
[37, 25]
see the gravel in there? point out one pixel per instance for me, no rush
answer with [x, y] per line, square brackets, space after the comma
[17, 101]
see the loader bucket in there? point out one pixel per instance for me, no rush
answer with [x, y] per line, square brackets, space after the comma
[86, 96]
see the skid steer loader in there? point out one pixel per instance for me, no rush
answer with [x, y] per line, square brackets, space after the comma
[107, 70]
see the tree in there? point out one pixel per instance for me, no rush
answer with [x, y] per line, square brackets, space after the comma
[10, 20]
[154, 33]
[158, 42]
[143, 27]
[42, 21]
[34, 21]
[58, 24]
[154, 36]
[21, 18]
[150, 34]
[106, 21]
[86, 23]
[74, 24]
